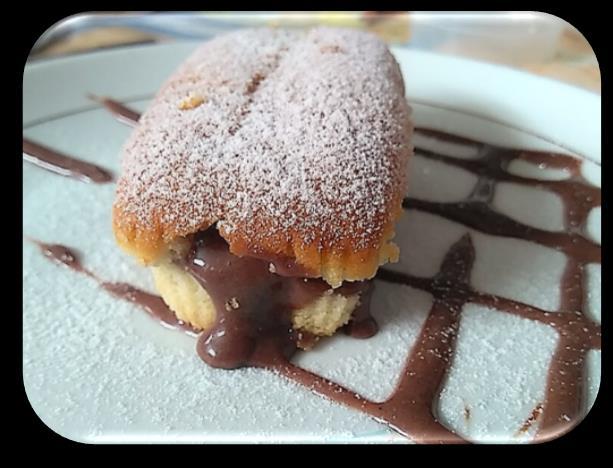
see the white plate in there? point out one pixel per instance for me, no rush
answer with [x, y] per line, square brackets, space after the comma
[97, 369]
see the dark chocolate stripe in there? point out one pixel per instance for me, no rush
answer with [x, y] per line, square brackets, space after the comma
[62, 164]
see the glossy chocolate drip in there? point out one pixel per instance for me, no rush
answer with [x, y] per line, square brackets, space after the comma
[62, 164]
[152, 304]
[410, 408]
[63, 255]
[253, 324]
[285, 266]
[118, 110]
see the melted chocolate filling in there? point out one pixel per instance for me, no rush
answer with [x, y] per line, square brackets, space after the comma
[410, 408]
[253, 323]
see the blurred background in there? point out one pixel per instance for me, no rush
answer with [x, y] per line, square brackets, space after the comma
[535, 42]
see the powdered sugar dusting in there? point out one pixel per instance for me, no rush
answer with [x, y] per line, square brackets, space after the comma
[495, 360]
[300, 135]
[372, 367]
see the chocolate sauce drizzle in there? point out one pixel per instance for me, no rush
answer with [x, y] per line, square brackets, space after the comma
[122, 113]
[62, 164]
[410, 409]
[69, 166]
[253, 324]
[534, 416]
[152, 304]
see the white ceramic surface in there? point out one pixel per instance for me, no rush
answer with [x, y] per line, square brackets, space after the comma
[97, 369]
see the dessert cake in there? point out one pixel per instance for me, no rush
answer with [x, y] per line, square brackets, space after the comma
[262, 186]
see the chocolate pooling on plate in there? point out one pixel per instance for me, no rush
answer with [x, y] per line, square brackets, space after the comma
[62, 164]
[253, 324]
[409, 410]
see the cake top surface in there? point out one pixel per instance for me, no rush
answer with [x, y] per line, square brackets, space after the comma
[281, 137]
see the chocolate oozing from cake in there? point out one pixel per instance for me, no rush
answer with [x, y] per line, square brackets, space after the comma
[253, 325]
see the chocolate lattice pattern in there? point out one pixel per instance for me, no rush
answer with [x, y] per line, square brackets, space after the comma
[409, 409]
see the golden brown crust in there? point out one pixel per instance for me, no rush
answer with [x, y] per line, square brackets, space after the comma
[334, 265]
[299, 149]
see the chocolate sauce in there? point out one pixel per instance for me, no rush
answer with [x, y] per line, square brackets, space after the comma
[284, 266]
[62, 164]
[482, 217]
[410, 408]
[152, 304]
[122, 113]
[253, 324]
[63, 255]
[562, 407]
[534, 416]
